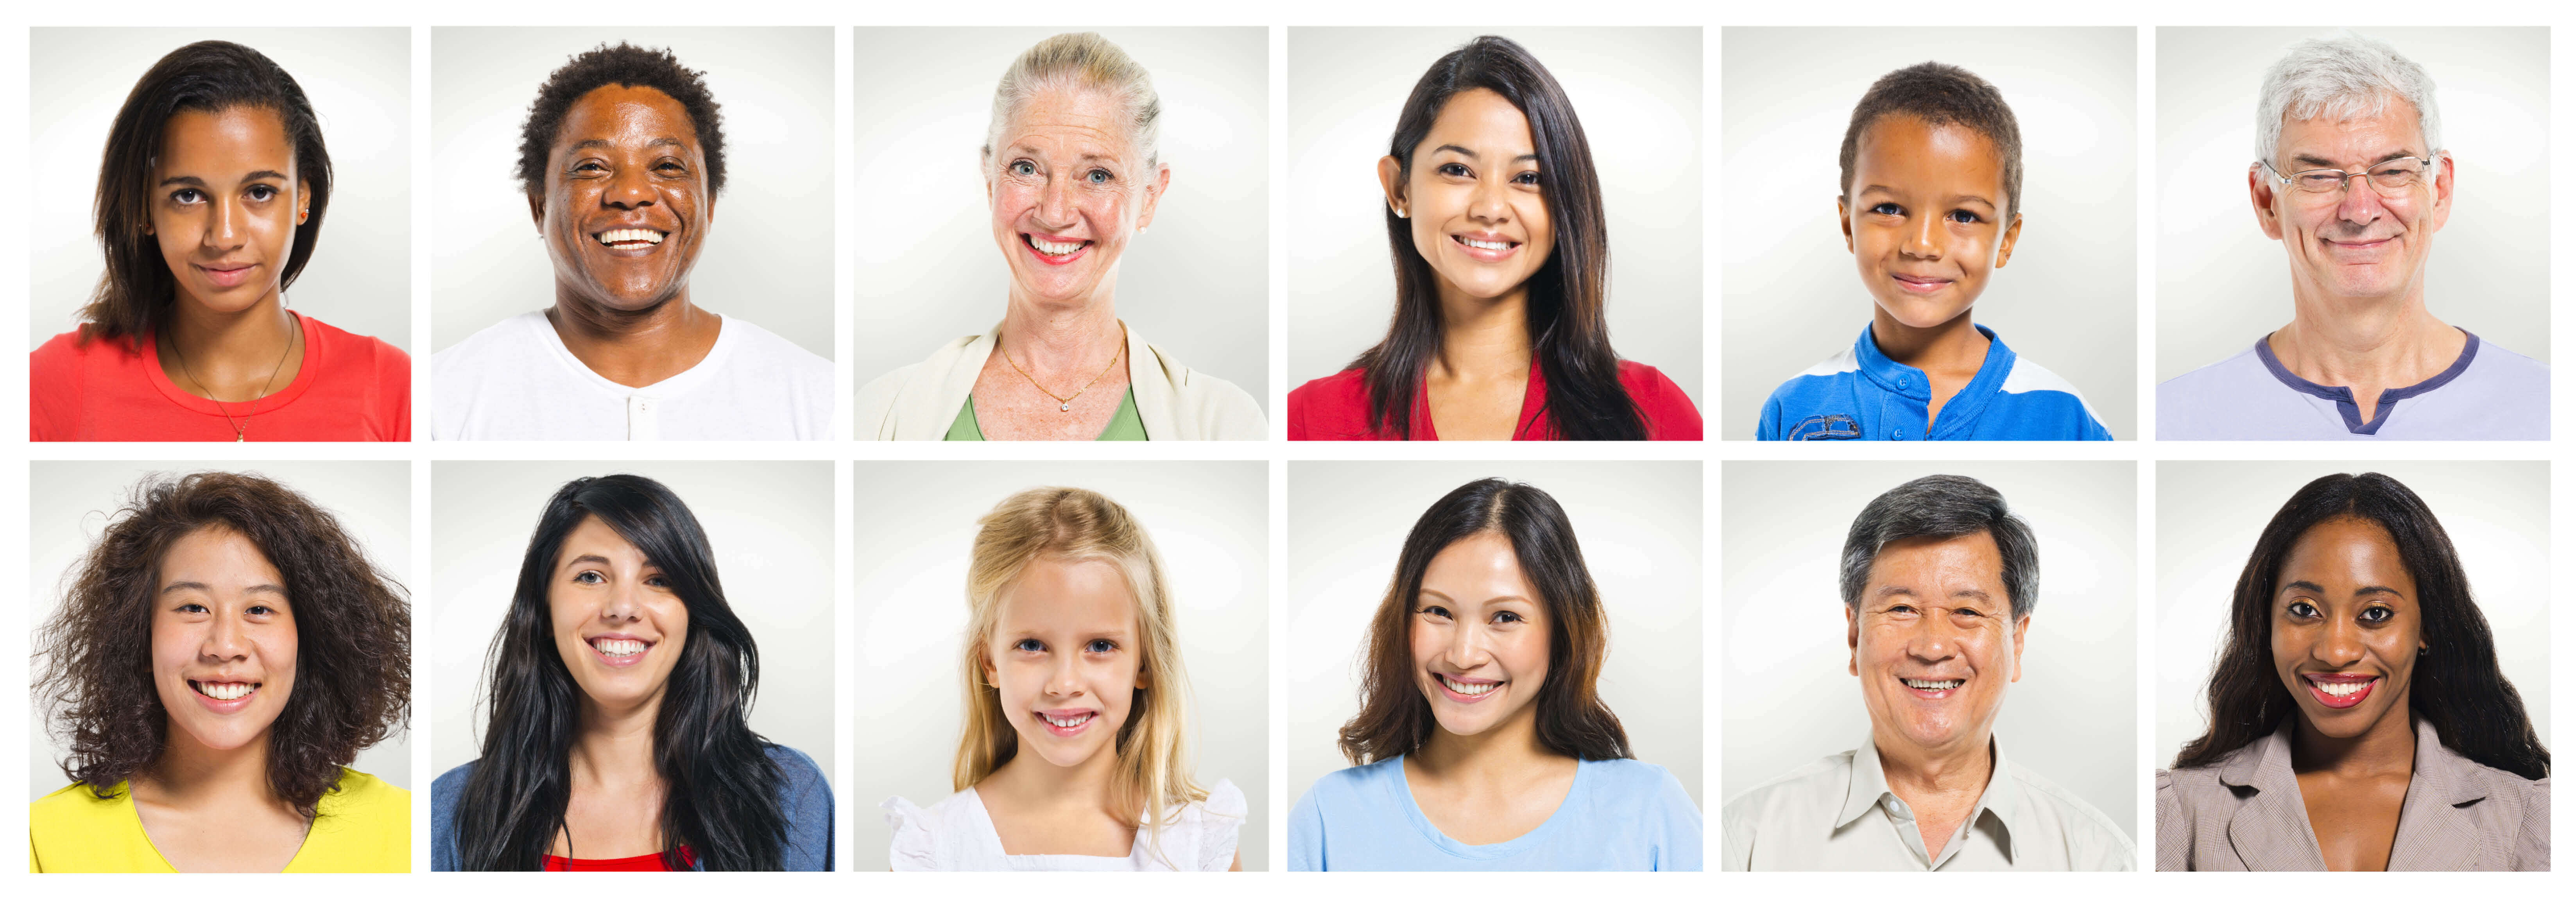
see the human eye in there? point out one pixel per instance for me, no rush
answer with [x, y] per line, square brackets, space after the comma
[588, 577]
[262, 609]
[1023, 168]
[191, 608]
[262, 192]
[1886, 209]
[658, 581]
[1101, 645]
[187, 196]
[1099, 176]
[1029, 644]
[1965, 217]
[1434, 611]
[1455, 170]
[1900, 609]
[2378, 614]
[589, 167]
[1508, 617]
[2302, 609]
[1529, 177]
[2320, 179]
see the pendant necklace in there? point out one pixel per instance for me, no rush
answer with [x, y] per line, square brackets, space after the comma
[1062, 403]
[241, 427]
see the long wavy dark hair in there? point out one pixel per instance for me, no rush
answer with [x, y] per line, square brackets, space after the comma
[134, 295]
[1395, 719]
[2458, 687]
[1568, 333]
[352, 625]
[723, 788]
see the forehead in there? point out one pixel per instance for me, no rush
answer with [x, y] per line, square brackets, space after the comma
[594, 537]
[2359, 136]
[1070, 120]
[2344, 553]
[1940, 567]
[244, 137]
[1477, 568]
[1904, 151]
[1480, 120]
[625, 114]
[1058, 594]
[215, 554]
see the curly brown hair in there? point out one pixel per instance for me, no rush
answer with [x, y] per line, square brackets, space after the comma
[353, 628]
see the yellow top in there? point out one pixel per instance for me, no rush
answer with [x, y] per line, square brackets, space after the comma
[362, 826]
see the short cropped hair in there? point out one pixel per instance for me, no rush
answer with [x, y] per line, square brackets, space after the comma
[1084, 61]
[1942, 95]
[1942, 506]
[624, 65]
[352, 646]
[2343, 77]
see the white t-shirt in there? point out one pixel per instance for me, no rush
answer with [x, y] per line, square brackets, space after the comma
[956, 834]
[517, 381]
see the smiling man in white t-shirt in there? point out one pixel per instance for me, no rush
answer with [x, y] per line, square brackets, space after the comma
[622, 156]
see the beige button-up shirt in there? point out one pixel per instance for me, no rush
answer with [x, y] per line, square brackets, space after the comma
[2245, 814]
[1838, 815]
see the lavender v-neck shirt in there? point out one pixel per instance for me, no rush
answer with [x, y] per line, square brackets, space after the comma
[2489, 393]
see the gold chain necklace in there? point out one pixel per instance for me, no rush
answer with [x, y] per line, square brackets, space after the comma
[1065, 403]
[241, 429]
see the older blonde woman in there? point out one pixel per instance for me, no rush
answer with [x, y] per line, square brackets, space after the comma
[1073, 174]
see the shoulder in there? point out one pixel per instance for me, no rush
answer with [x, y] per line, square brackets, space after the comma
[1828, 776]
[1224, 804]
[359, 350]
[881, 391]
[359, 788]
[1668, 409]
[2186, 788]
[1354, 784]
[2212, 401]
[1332, 407]
[1631, 776]
[444, 791]
[73, 802]
[2223, 375]
[68, 349]
[2508, 368]
[763, 347]
[2067, 806]
[1843, 364]
[919, 833]
[1207, 395]
[2044, 395]
[798, 769]
[510, 337]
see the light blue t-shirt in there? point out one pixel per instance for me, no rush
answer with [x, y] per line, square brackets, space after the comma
[1620, 815]
[2488, 393]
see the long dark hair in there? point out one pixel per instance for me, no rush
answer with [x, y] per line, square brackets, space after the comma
[352, 623]
[134, 295]
[723, 789]
[1394, 718]
[2458, 687]
[1568, 333]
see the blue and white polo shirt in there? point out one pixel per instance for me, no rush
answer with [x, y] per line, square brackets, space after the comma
[2489, 393]
[1860, 394]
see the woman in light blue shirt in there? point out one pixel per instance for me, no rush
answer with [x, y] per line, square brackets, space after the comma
[1480, 743]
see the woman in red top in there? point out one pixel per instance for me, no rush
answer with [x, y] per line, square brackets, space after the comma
[1501, 261]
[210, 198]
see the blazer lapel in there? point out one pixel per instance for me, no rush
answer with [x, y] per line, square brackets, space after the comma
[2435, 831]
[1150, 375]
[2270, 829]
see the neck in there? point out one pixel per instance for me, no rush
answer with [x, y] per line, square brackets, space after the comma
[652, 328]
[1030, 780]
[1053, 339]
[190, 773]
[1915, 772]
[2366, 341]
[615, 744]
[1481, 337]
[1503, 753]
[1951, 346]
[228, 346]
[2388, 747]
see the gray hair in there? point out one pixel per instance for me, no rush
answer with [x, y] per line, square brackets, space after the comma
[2345, 76]
[1943, 505]
[1083, 61]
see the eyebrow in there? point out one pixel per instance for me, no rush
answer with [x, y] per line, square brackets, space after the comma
[194, 181]
[178, 586]
[604, 142]
[1881, 188]
[586, 557]
[1443, 597]
[2371, 590]
[2324, 163]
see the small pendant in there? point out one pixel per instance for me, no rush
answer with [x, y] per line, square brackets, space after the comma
[241, 438]
[1065, 407]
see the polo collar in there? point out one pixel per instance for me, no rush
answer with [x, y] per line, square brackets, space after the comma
[1960, 413]
[2342, 396]
[1869, 787]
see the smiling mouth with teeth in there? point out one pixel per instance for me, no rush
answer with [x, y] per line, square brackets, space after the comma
[628, 238]
[1053, 247]
[1485, 244]
[1466, 689]
[618, 648]
[222, 691]
[1934, 686]
[1066, 722]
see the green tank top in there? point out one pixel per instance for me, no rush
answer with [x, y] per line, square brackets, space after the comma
[1124, 424]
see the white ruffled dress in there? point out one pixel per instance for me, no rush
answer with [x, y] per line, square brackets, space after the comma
[956, 834]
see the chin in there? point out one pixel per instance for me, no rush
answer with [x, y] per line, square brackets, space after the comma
[1916, 313]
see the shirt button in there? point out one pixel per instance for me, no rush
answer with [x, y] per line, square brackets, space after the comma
[1900, 435]
[644, 405]
[1904, 381]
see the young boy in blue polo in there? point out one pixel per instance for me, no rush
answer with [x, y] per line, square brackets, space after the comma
[1930, 206]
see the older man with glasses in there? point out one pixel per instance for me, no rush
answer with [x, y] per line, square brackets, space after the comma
[2352, 179]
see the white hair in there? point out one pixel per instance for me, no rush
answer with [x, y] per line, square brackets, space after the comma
[2344, 77]
[1083, 61]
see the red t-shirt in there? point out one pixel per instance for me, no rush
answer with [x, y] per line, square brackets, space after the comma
[348, 388]
[630, 863]
[1337, 408]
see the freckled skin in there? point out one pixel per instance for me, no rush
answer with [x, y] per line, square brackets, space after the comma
[646, 170]
[1066, 170]
[2345, 604]
[2362, 242]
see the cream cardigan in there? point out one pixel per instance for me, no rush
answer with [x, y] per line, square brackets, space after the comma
[920, 401]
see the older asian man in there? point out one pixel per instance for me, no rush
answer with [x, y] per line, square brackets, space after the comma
[1938, 581]
[2351, 178]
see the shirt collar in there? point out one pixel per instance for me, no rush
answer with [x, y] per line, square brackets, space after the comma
[2342, 396]
[1869, 787]
[1909, 382]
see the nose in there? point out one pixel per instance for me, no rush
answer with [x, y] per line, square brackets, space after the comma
[623, 604]
[1469, 645]
[1055, 209]
[2361, 203]
[1491, 202]
[224, 232]
[1063, 679]
[629, 188]
[2341, 645]
[1934, 639]
[226, 640]
[1926, 239]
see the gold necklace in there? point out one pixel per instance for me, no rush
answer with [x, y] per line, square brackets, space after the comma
[241, 429]
[1065, 403]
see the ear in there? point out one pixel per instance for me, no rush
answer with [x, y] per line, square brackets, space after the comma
[303, 203]
[2442, 190]
[2259, 188]
[1842, 216]
[1851, 636]
[1154, 194]
[984, 661]
[2004, 247]
[2021, 632]
[1390, 173]
[537, 211]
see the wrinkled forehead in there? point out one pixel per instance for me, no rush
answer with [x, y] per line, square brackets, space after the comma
[1069, 123]
[1964, 570]
[617, 115]
[2362, 128]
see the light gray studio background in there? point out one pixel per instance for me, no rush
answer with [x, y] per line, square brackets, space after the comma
[1638, 522]
[2208, 515]
[2068, 298]
[1790, 696]
[768, 251]
[1637, 93]
[769, 523]
[1197, 283]
[2220, 284]
[68, 508]
[359, 81]
[916, 531]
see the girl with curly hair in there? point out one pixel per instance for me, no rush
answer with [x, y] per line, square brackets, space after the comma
[221, 655]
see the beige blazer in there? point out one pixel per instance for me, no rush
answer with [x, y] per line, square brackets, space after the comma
[919, 401]
[2244, 814]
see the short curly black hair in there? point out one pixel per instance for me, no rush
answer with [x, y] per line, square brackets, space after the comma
[1941, 94]
[625, 65]
[352, 621]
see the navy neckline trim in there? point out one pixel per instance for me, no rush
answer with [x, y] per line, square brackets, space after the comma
[2342, 396]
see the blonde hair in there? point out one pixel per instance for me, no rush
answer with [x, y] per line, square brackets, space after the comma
[1076, 525]
[1084, 61]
